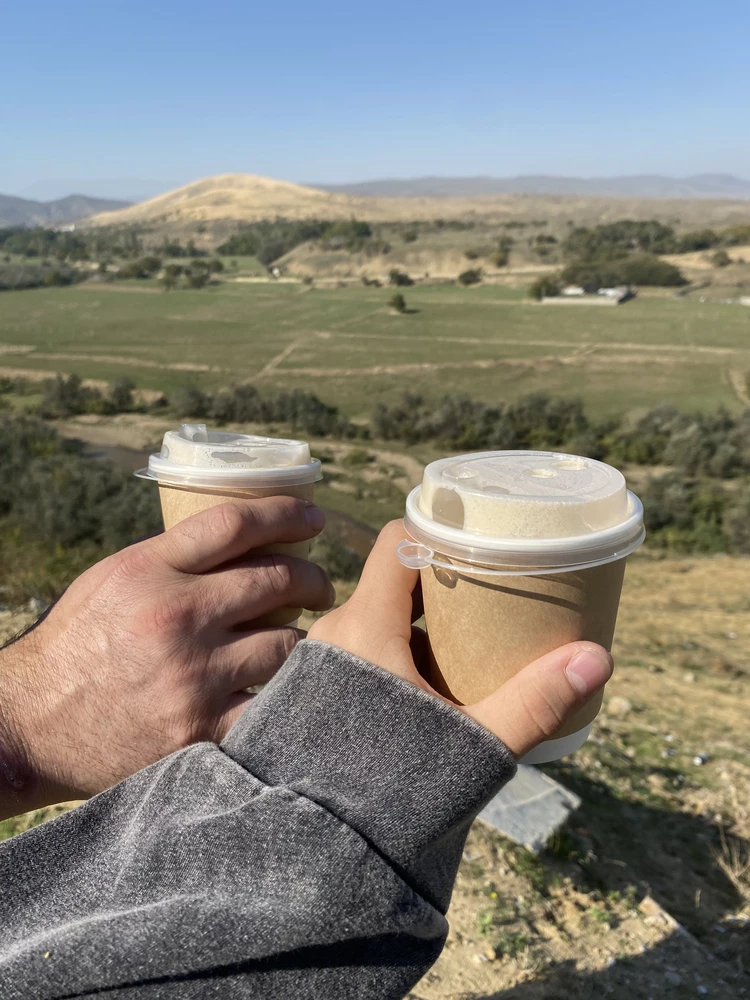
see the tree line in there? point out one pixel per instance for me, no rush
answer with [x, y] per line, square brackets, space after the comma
[701, 504]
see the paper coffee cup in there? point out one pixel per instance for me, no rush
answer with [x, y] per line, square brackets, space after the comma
[199, 468]
[520, 552]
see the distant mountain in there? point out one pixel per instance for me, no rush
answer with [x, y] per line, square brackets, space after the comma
[25, 212]
[642, 186]
[128, 189]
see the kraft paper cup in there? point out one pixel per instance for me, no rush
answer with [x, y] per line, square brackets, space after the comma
[545, 569]
[199, 468]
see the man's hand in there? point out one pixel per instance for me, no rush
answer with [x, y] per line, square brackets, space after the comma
[376, 624]
[142, 654]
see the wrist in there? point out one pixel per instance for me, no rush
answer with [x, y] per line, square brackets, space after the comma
[20, 786]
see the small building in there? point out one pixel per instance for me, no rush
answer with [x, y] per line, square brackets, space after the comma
[573, 290]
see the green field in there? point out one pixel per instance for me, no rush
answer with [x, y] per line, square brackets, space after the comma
[347, 346]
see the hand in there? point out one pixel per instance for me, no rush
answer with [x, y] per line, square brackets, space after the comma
[376, 624]
[141, 656]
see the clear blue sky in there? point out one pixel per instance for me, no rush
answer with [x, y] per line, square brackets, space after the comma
[331, 91]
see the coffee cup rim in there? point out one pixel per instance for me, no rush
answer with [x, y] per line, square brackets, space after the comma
[596, 547]
[170, 474]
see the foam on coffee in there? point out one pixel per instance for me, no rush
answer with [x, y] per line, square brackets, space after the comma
[518, 494]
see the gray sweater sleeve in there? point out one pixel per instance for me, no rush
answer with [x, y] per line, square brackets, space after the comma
[312, 855]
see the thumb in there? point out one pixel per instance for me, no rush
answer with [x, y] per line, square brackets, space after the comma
[532, 706]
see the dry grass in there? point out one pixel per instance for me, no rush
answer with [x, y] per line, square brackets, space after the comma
[647, 893]
[249, 198]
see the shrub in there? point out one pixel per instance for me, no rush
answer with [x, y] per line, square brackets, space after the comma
[197, 278]
[683, 515]
[544, 287]
[499, 258]
[409, 236]
[471, 277]
[171, 276]
[399, 278]
[636, 269]
[190, 401]
[721, 259]
[703, 239]
[144, 267]
[60, 511]
[397, 302]
[472, 254]
[331, 552]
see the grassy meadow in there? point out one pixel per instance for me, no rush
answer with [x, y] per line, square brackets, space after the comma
[347, 346]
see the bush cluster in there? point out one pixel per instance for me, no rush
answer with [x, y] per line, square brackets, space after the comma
[302, 411]
[458, 422]
[67, 396]
[60, 511]
[270, 240]
[15, 277]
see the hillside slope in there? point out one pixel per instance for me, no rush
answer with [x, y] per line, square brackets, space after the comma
[249, 198]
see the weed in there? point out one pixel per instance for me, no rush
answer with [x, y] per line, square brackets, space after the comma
[529, 866]
[511, 943]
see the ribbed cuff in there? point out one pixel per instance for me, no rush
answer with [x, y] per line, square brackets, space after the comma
[405, 770]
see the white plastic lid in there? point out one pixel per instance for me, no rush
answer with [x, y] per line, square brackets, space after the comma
[525, 509]
[196, 456]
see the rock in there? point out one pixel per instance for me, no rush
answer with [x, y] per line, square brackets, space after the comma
[674, 978]
[490, 953]
[689, 677]
[619, 707]
[479, 958]
[700, 759]
[530, 808]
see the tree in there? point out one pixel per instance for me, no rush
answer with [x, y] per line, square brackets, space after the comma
[721, 259]
[399, 278]
[171, 275]
[471, 277]
[121, 394]
[190, 401]
[198, 274]
[544, 288]
[397, 302]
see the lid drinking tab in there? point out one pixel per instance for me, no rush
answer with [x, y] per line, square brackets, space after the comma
[524, 494]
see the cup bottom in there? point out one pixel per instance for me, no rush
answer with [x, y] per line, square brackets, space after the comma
[555, 749]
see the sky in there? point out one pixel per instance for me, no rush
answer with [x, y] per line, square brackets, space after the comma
[156, 94]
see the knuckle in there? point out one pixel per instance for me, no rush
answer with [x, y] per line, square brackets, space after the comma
[277, 575]
[173, 612]
[230, 519]
[135, 561]
[544, 712]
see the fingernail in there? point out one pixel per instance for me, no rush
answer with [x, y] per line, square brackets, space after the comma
[315, 518]
[588, 671]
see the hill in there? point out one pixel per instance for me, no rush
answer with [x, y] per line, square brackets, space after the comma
[220, 203]
[27, 212]
[641, 186]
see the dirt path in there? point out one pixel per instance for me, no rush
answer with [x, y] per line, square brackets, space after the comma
[738, 382]
[574, 344]
[120, 359]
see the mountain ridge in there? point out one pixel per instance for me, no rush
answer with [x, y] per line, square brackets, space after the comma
[16, 211]
[633, 186]
[219, 205]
